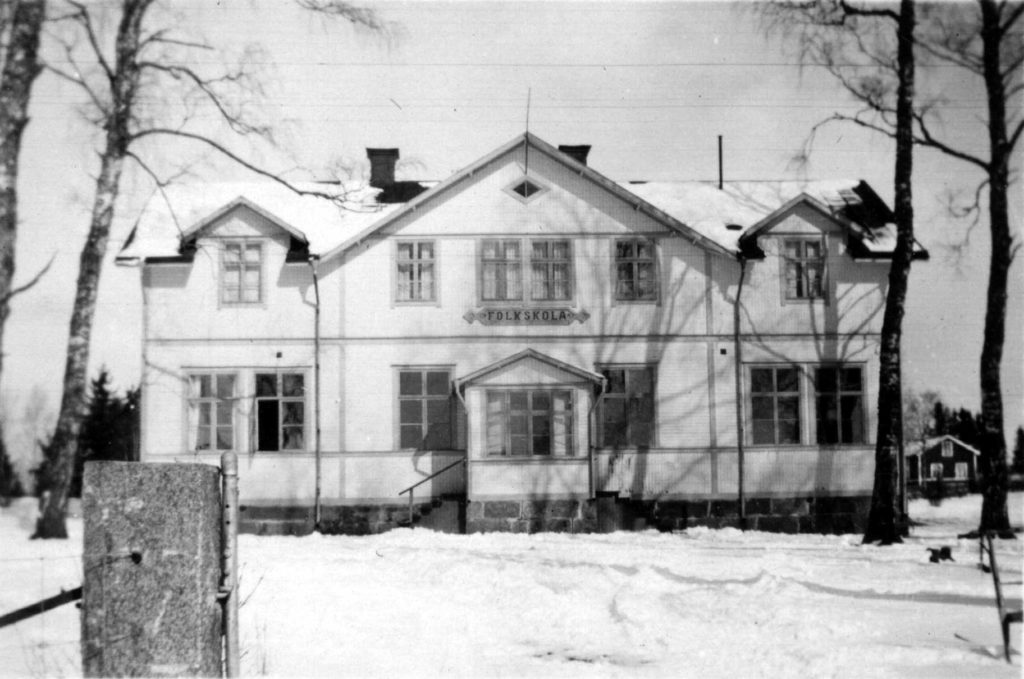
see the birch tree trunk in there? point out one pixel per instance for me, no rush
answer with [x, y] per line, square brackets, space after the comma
[74, 405]
[19, 69]
[994, 515]
[882, 518]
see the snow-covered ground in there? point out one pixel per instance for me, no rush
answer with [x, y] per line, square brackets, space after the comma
[703, 603]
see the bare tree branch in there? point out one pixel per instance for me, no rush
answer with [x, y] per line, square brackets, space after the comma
[927, 139]
[83, 18]
[29, 285]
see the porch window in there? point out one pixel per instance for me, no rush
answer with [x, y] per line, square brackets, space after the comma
[840, 404]
[211, 411]
[804, 268]
[551, 273]
[775, 405]
[280, 411]
[502, 270]
[424, 409]
[415, 276]
[523, 423]
[241, 272]
[627, 408]
[635, 271]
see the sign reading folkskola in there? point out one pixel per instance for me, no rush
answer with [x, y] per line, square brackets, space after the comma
[513, 316]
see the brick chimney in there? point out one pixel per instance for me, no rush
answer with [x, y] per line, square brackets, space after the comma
[382, 167]
[578, 152]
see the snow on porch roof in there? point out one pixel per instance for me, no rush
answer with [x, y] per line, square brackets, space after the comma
[188, 208]
[523, 355]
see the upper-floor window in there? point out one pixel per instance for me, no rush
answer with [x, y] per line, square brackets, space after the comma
[775, 405]
[510, 266]
[524, 422]
[502, 270]
[627, 406]
[415, 276]
[635, 270]
[211, 406]
[241, 272]
[550, 270]
[280, 411]
[804, 268]
[424, 409]
[947, 448]
[839, 392]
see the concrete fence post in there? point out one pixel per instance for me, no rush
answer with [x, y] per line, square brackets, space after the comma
[152, 570]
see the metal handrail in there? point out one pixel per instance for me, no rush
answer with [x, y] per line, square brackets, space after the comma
[411, 488]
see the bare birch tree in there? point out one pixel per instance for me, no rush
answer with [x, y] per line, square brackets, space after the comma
[125, 98]
[984, 39]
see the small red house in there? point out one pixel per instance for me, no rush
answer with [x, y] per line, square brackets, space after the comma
[944, 458]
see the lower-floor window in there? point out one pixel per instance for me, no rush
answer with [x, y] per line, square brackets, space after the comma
[211, 411]
[961, 470]
[280, 411]
[840, 404]
[424, 409]
[526, 422]
[935, 470]
[775, 404]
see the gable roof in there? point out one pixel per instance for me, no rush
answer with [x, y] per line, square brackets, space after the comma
[917, 448]
[724, 220]
[524, 355]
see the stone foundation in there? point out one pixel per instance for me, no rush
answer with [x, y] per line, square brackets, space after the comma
[604, 515]
[531, 516]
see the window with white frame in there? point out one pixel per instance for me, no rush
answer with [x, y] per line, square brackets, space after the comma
[947, 448]
[635, 270]
[627, 407]
[502, 270]
[241, 272]
[839, 404]
[935, 470]
[280, 415]
[803, 268]
[425, 409]
[775, 405]
[960, 469]
[550, 270]
[415, 281]
[211, 411]
[529, 422]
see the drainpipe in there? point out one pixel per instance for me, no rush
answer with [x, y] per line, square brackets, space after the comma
[469, 426]
[740, 429]
[593, 437]
[316, 387]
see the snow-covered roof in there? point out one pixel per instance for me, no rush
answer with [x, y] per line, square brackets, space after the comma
[918, 447]
[167, 220]
[724, 220]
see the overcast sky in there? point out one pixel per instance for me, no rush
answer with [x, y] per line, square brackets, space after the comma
[649, 86]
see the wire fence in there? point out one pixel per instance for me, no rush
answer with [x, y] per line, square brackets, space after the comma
[46, 644]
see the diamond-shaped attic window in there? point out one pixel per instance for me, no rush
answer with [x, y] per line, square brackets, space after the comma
[526, 189]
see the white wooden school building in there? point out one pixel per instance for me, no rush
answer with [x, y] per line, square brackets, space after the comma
[598, 354]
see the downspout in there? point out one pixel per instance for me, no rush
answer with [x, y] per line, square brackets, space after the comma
[469, 424]
[593, 437]
[740, 429]
[317, 510]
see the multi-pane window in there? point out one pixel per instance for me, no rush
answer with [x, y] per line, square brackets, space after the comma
[840, 404]
[635, 270]
[529, 422]
[241, 272]
[211, 404]
[947, 448]
[960, 468]
[280, 411]
[502, 270]
[415, 281]
[424, 409]
[550, 270]
[935, 470]
[627, 407]
[775, 405]
[804, 268]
